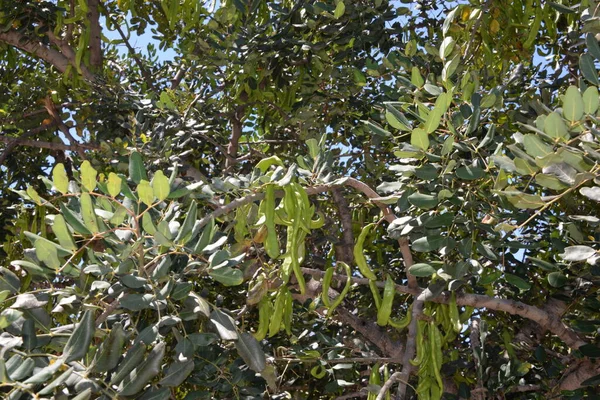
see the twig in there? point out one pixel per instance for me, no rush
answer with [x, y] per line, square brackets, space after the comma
[355, 395]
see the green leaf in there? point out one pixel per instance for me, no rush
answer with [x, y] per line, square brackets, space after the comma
[446, 47]
[109, 353]
[59, 227]
[205, 237]
[340, 8]
[524, 167]
[227, 276]
[545, 265]
[30, 267]
[427, 243]
[142, 374]
[44, 374]
[224, 325]
[8, 316]
[535, 147]
[251, 352]
[88, 176]
[572, 105]
[557, 279]
[577, 253]
[517, 281]
[74, 220]
[396, 118]
[136, 302]
[114, 184]
[156, 394]
[57, 382]
[265, 163]
[421, 270]
[79, 342]
[33, 194]
[433, 120]
[160, 186]
[590, 350]
[376, 129]
[88, 214]
[136, 167]
[591, 192]
[592, 45]
[423, 201]
[555, 126]
[588, 69]
[47, 253]
[132, 359]
[60, 178]
[550, 182]
[591, 100]
[420, 139]
[416, 78]
[469, 173]
[177, 373]
[145, 192]
[186, 232]
[561, 8]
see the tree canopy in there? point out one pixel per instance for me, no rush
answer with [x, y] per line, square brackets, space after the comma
[307, 200]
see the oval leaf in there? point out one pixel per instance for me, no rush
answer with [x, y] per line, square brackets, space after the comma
[421, 270]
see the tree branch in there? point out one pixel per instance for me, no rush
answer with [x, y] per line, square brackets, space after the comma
[95, 35]
[236, 133]
[49, 145]
[345, 249]
[51, 56]
[14, 141]
[69, 54]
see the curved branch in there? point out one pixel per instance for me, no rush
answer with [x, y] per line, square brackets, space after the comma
[544, 319]
[51, 56]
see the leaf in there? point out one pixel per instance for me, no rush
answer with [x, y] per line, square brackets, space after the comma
[446, 47]
[177, 373]
[340, 8]
[59, 227]
[561, 8]
[588, 69]
[535, 147]
[47, 253]
[577, 253]
[28, 301]
[60, 178]
[376, 129]
[550, 182]
[30, 267]
[136, 302]
[592, 45]
[433, 120]
[591, 100]
[517, 281]
[591, 192]
[136, 168]
[423, 201]
[132, 359]
[557, 279]
[141, 375]
[224, 325]
[416, 78]
[469, 173]
[555, 126]
[74, 220]
[421, 270]
[251, 352]
[156, 394]
[572, 106]
[114, 184]
[88, 176]
[427, 243]
[87, 213]
[79, 342]
[186, 232]
[109, 353]
[44, 374]
[33, 194]
[160, 186]
[562, 171]
[420, 139]
[145, 192]
[396, 118]
[227, 276]
[590, 350]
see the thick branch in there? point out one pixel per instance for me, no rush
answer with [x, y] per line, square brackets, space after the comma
[14, 142]
[345, 249]
[236, 133]
[95, 35]
[51, 56]
[580, 372]
[49, 145]
[69, 54]
[545, 319]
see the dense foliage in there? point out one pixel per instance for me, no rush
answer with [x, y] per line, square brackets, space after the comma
[334, 199]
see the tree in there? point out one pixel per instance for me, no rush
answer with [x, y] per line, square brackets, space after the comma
[311, 200]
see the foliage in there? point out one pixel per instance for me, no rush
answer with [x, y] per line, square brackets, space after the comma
[310, 200]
